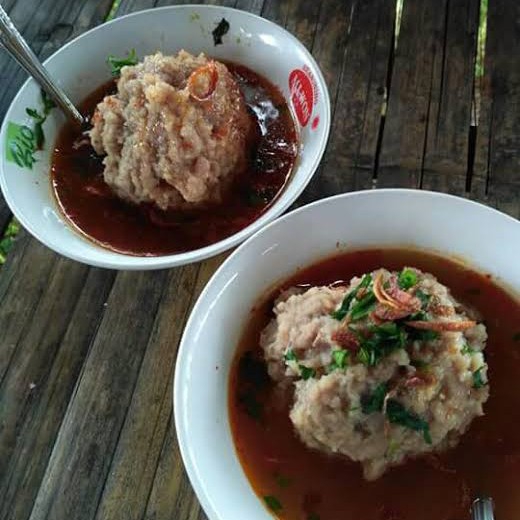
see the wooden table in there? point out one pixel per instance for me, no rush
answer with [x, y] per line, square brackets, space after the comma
[87, 355]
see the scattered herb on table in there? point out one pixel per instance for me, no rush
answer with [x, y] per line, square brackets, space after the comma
[398, 414]
[7, 240]
[478, 381]
[220, 30]
[273, 503]
[374, 402]
[116, 64]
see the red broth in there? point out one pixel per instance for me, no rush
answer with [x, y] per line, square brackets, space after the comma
[310, 485]
[144, 230]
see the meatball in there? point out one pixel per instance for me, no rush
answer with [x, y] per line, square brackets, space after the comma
[390, 367]
[175, 133]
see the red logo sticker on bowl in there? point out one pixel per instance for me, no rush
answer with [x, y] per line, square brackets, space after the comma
[304, 93]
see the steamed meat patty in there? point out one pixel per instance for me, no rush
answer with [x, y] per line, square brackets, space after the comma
[387, 368]
[175, 132]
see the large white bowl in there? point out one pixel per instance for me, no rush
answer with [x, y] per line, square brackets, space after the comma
[80, 67]
[489, 240]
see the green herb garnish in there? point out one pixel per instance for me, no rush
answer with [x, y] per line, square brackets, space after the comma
[398, 414]
[407, 278]
[340, 360]
[306, 372]
[282, 480]
[425, 298]
[313, 516]
[516, 337]
[340, 313]
[374, 402]
[478, 382]
[290, 356]
[362, 307]
[116, 64]
[345, 304]
[383, 340]
[466, 349]
[13, 228]
[423, 335]
[418, 363]
[273, 503]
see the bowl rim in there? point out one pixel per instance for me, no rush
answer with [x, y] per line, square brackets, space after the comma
[181, 365]
[124, 261]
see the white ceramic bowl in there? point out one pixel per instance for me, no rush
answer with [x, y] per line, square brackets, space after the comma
[80, 67]
[489, 240]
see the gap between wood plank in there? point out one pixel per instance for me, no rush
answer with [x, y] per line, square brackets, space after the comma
[388, 85]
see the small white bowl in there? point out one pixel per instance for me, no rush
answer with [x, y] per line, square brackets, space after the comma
[489, 240]
[80, 67]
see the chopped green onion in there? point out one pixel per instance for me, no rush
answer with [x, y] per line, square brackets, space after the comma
[466, 349]
[478, 382]
[306, 372]
[407, 278]
[340, 313]
[398, 414]
[374, 402]
[363, 307]
[116, 64]
[340, 360]
[425, 298]
[418, 363]
[290, 356]
[273, 503]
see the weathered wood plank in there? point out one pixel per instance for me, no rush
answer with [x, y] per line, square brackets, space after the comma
[352, 45]
[46, 396]
[89, 433]
[132, 470]
[446, 152]
[171, 495]
[405, 134]
[497, 159]
[21, 295]
[33, 357]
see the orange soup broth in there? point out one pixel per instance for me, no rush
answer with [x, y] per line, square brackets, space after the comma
[310, 485]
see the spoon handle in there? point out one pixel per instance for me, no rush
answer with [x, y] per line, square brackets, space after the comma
[482, 509]
[22, 53]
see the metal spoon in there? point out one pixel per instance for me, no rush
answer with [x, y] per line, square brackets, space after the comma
[482, 509]
[17, 47]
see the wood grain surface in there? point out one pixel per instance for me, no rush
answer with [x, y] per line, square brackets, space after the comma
[87, 355]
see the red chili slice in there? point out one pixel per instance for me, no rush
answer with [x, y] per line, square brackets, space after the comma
[203, 81]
